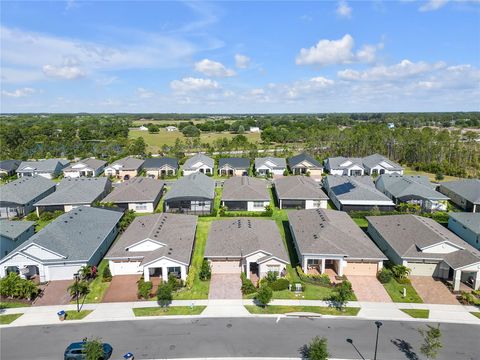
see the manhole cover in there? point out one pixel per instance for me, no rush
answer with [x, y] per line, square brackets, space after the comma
[172, 347]
[229, 326]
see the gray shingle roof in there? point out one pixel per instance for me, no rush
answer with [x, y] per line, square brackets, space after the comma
[129, 163]
[467, 188]
[330, 232]
[9, 165]
[236, 163]
[195, 185]
[299, 187]
[176, 232]
[376, 159]
[336, 163]
[198, 158]
[156, 163]
[294, 161]
[348, 188]
[410, 185]
[244, 188]
[75, 235]
[25, 189]
[243, 236]
[47, 166]
[469, 220]
[408, 234]
[77, 191]
[90, 163]
[135, 190]
[13, 229]
[278, 163]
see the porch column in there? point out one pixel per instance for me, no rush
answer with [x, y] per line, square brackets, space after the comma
[146, 274]
[340, 267]
[165, 273]
[476, 283]
[305, 264]
[456, 280]
[322, 266]
[380, 265]
[183, 273]
[41, 273]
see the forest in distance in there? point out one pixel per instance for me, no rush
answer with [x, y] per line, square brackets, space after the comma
[446, 143]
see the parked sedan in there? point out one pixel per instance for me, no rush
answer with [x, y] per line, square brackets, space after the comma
[74, 351]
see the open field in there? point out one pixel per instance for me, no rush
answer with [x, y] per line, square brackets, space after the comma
[431, 177]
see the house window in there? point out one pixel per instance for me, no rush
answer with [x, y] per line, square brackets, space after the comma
[273, 268]
[317, 203]
[201, 203]
[258, 204]
[141, 207]
[313, 261]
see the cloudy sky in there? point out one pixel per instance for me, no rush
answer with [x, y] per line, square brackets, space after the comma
[237, 57]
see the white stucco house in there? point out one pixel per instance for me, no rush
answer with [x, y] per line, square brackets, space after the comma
[245, 194]
[85, 168]
[270, 166]
[199, 163]
[49, 168]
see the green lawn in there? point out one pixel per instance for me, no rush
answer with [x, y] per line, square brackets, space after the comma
[431, 177]
[417, 313]
[97, 287]
[395, 290]
[13, 304]
[171, 310]
[362, 222]
[76, 315]
[477, 314]
[7, 319]
[277, 309]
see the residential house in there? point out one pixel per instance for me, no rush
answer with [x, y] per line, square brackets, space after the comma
[330, 241]
[254, 129]
[245, 193]
[303, 164]
[72, 193]
[143, 128]
[8, 167]
[155, 245]
[14, 233]
[17, 197]
[412, 189]
[125, 169]
[266, 166]
[356, 193]
[467, 226]
[299, 192]
[139, 194]
[191, 194]
[171, 128]
[344, 166]
[58, 251]
[250, 245]
[199, 163]
[426, 247]
[157, 168]
[49, 168]
[378, 164]
[463, 193]
[85, 168]
[233, 166]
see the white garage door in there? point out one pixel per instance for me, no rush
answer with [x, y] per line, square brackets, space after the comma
[363, 269]
[226, 267]
[61, 272]
[422, 269]
[124, 267]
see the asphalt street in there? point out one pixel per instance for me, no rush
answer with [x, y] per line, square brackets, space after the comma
[238, 337]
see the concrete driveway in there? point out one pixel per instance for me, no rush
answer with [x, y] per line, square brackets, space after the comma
[368, 288]
[55, 293]
[225, 286]
[122, 288]
[433, 291]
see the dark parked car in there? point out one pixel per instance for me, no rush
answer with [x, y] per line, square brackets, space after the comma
[74, 351]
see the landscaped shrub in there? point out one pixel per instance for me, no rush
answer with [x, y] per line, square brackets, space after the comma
[271, 277]
[468, 298]
[247, 285]
[31, 217]
[320, 280]
[106, 274]
[384, 275]
[280, 284]
[205, 271]
[192, 272]
[13, 286]
[401, 272]
[144, 288]
[174, 282]
[264, 295]
[50, 215]
[164, 294]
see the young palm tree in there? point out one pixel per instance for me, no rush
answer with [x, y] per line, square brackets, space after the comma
[78, 288]
[86, 272]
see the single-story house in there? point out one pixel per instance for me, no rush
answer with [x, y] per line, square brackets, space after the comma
[254, 129]
[467, 226]
[85, 168]
[303, 163]
[251, 245]
[199, 163]
[344, 166]
[412, 189]
[157, 168]
[426, 247]
[139, 194]
[463, 193]
[58, 251]
[377, 164]
[245, 193]
[17, 197]
[14, 233]
[191, 194]
[155, 245]
[49, 168]
[329, 239]
[299, 192]
[143, 128]
[125, 168]
[72, 193]
[8, 167]
[171, 128]
[270, 166]
[356, 193]
[233, 166]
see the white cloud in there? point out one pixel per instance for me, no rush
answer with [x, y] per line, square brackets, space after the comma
[63, 72]
[19, 92]
[242, 61]
[144, 93]
[432, 5]
[343, 9]
[213, 68]
[190, 84]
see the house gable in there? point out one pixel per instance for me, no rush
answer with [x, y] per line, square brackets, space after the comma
[444, 247]
[41, 253]
[145, 245]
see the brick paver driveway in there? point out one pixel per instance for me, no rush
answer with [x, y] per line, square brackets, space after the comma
[432, 291]
[122, 288]
[368, 288]
[55, 293]
[225, 286]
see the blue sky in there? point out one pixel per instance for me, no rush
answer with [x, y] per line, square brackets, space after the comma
[236, 57]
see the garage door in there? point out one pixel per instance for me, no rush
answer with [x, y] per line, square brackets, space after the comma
[226, 267]
[365, 269]
[61, 272]
[124, 267]
[422, 269]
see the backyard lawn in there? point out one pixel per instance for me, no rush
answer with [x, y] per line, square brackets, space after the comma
[417, 313]
[76, 315]
[431, 177]
[395, 290]
[281, 309]
[171, 310]
[7, 319]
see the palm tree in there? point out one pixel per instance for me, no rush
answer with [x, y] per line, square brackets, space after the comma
[401, 272]
[86, 272]
[79, 289]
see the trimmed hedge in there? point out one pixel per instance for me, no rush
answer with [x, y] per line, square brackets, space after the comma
[144, 289]
[320, 280]
[279, 284]
[247, 285]
[384, 275]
